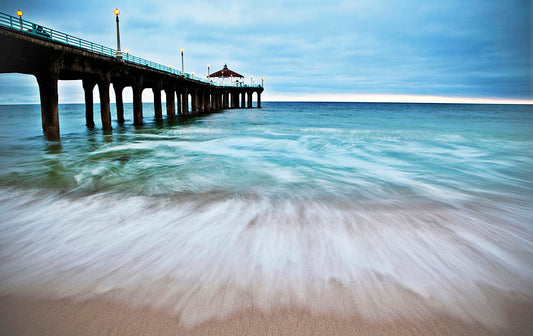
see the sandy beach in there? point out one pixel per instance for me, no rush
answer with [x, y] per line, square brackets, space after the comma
[99, 316]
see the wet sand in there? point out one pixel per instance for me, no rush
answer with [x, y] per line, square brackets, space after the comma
[99, 316]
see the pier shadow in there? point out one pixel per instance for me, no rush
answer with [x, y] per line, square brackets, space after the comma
[54, 147]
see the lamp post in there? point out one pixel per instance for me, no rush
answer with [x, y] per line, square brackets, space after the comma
[208, 66]
[262, 82]
[182, 71]
[119, 53]
[19, 13]
[251, 80]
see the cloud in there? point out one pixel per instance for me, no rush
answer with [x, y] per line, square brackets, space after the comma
[477, 48]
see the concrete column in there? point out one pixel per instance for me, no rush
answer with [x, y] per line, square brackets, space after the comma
[49, 102]
[178, 95]
[119, 102]
[201, 101]
[193, 102]
[214, 106]
[185, 101]
[250, 100]
[226, 98]
[198, 101]
[171, 104]
[200, 105]
[235, 100]
[158, 110]
[88, 87]
[105, 110]
[137, 101]
[243, 102]
[207, 101]
[258, 99]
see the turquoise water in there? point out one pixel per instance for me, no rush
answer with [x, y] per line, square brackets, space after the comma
[391, 209]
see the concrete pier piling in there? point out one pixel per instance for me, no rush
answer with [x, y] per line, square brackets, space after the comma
[158, 110]
[185, 102]
[49, 103]
[171, 105]
[178, 101]
[137, 100]
[118, 88]
[88, 87]
[105, 110]
[250, 93]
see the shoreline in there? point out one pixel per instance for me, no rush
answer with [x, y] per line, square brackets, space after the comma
[101, 316]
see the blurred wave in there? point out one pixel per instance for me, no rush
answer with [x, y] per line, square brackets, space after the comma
[205, 258]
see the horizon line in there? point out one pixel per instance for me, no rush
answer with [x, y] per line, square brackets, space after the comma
[491, 102]
[393, 98]
[350, 98]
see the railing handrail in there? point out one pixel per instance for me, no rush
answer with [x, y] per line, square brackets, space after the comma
[17, 23]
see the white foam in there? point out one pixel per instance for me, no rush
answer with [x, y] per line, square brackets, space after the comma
[205, 257]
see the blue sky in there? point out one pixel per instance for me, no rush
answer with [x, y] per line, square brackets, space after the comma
[314, 49]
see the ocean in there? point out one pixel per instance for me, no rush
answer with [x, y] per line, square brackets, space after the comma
[382, 210]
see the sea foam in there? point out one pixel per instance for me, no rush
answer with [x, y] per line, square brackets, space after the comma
[207, 257]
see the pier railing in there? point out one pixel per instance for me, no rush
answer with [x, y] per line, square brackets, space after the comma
[26, 26]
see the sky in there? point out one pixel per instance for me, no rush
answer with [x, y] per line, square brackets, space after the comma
[317, 50]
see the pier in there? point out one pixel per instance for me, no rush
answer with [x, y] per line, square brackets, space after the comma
[50, 56]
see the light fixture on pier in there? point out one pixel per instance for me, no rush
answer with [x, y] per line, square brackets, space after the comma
[262, 81]
[182, 61]
[19, 13]
[252, 80]
[119, 53]
[208, 70]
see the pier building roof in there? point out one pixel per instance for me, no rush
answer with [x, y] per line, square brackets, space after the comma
[226, 73]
